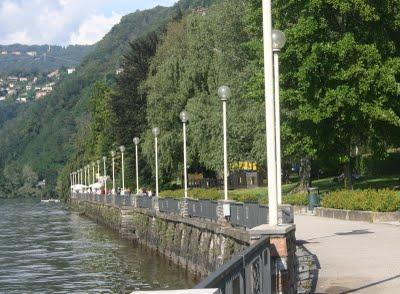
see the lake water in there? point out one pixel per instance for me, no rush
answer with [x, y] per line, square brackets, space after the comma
[45, 248]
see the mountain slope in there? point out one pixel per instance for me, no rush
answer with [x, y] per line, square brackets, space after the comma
[42, 135]
[22, 59]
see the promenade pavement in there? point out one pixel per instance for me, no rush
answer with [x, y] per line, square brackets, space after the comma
[354, 257]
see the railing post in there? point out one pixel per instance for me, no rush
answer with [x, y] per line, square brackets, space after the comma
[184, 203]
[156, 205]
[224, 212]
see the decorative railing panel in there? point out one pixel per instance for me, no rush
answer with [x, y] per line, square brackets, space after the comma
[247, 272]
[203, 209]
[169, 205]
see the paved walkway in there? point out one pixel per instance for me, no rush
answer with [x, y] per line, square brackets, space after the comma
[354, 257]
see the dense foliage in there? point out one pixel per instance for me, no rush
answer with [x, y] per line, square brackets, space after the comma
[384, 200]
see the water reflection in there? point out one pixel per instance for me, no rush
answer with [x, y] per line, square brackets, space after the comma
[44, 248]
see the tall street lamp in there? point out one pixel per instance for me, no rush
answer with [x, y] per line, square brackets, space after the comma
[184, 116]
[270, 112]
[122, 149]
[156, 133]
[278, 42]
[113, 171]
[224, 94]
[98, 168]
[84, 170]
[136, 141]
[93, 165]
[105, 175]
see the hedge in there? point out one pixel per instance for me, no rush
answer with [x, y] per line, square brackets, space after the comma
[383, 200]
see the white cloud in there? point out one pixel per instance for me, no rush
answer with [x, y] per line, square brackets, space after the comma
[94, 28]
[64, 21]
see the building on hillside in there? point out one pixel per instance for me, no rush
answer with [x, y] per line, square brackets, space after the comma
[34, 80]
[31, 53]
[23, 79]
[201, 11]
[39, 95]
[16, 53]
[21, 100]
[11, 92]
[119, 71]
[2, 98]
[12, 78]
[28, 87]
[4, 53]
[47, 88]
[54, 74]
[71, 70]
[11, 85]
[37, 88]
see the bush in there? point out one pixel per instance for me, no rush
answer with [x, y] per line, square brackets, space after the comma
[384, 200]
[299, 199]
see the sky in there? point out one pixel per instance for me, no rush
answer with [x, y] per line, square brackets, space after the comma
[64, 22]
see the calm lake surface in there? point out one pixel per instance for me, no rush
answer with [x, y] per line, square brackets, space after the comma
[45, 248]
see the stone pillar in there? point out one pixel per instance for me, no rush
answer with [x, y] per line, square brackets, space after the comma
[156, 206]
[134, 201]
[184, 203]
[285, 214]
[224, 212]
[283, 255]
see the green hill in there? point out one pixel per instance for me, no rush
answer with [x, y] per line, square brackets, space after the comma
[41, 135]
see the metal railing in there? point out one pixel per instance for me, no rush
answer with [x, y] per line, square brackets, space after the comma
[145, 202]
[169, 205]
[203, 209]
[247, 272]
[246, 215]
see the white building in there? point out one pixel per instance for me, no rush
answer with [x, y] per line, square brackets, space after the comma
[23, 79]
[4, 52]
[31, 53]
[21, 100]
[2, 98]
[28, 87]
[119, 71]
[40, 95]
[17, 53]
[71, 70]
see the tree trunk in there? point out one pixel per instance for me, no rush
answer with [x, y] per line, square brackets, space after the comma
[305, 174]
[348, 172]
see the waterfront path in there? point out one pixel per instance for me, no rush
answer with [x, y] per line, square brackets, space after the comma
[354, 257]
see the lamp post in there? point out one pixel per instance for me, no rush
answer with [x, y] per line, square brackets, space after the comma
[278, 42]
[84, 170]
[105, 175]
[113, 171]
[93, 164]
[136, 141]
[122, 149]
[184, 116]
[81, 174]
[224, 94]
[270, 112]
[156, 133]
[88, 174]
[98, 169]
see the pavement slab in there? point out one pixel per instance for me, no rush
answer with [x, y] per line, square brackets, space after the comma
[353, 257]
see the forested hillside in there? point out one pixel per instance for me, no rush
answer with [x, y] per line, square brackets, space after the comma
[43, 137]
[339, 97]
[22, 59]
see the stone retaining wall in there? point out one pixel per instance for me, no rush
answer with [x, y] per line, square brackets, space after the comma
[352, 215]
[198, 245]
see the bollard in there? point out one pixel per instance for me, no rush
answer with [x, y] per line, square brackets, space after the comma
[313, 198]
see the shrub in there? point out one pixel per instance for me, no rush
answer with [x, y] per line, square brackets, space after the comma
[300, 199]
[384, 200]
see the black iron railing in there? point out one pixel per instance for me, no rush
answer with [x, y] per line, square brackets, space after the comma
[247, 272]
[247, 215]
[169, 205]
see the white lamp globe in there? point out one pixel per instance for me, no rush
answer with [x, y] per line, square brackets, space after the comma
[184, 116]
[224, 92]
[278, 40]
[156, 131]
